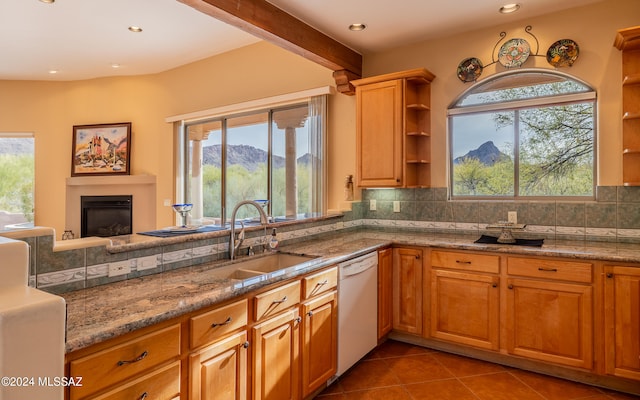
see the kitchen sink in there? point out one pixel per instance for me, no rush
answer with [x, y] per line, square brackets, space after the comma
[260, 265]
[273, 262]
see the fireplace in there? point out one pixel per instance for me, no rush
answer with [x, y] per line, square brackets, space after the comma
[106, 216]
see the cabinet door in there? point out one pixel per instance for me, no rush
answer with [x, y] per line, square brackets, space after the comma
[622, 321]
[320, 341]
[385, 290]
[219, 371]
[379, 134]
[407, 290]
[276, 368]
[465, 308]
[550, 321]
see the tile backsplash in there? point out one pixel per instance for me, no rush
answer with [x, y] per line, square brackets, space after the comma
[613, 216]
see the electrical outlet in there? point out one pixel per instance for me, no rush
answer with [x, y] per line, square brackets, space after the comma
[119, 268]
[148, 262]
[372, 205]
[167, 202]
[396, 206]
[512, 217]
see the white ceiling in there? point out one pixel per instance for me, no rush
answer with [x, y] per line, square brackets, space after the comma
[81, 39]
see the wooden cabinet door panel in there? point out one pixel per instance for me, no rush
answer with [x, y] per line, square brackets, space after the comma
[622, 321]
[275, 358]
[320, 341]
[379, 134]
[465, 308]
[407, 290]
[385, 290]
[550, 321]
[219, 372]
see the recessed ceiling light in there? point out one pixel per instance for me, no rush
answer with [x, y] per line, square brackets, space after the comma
[48, 1]
[509, 8]
[53, 71]
[357, 27]
[135, 28]
[115, 65]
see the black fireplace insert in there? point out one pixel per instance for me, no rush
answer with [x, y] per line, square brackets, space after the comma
[106, 216]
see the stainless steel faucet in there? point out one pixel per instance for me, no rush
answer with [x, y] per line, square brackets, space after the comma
[233, 246]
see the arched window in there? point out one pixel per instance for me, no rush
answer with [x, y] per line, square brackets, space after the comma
[523, 134]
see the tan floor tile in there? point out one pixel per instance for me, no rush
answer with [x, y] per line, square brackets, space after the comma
[368, 374]
[553, 388]
[387, 393]
[417, 368]
[463, 366]
[448, 389]
[392, 348]
[499, 386]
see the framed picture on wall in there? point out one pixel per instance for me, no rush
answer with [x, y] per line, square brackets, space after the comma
[102, 149]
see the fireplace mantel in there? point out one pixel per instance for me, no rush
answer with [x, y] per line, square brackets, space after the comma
[141, 187]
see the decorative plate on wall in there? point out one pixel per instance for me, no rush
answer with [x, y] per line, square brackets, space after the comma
[469, 69]
[514, 53]
[563, 53]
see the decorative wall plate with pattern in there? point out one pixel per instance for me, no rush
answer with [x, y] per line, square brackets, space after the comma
[514, 53]
[563, 53]
[469, 69]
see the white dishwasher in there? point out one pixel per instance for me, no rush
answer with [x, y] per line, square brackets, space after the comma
[357, 309]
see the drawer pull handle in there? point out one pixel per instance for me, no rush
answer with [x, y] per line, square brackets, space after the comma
[324, 282]
[547, 269]
[226, 322]
[463, 262]
[494, 285]
[144, 396]
[298, 320]
[510, 286]
[609, 275]
[280, 301]
[310, 313]
[135, 360]
[245, 345]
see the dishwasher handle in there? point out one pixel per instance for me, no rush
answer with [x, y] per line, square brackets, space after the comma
[358, 265]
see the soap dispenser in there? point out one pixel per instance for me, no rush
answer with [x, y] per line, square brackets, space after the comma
[273, 242]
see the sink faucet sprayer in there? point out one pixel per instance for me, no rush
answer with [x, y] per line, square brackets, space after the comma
[233, 246]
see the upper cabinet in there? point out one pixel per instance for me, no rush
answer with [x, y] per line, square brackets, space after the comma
[393, 137]
[628, 40]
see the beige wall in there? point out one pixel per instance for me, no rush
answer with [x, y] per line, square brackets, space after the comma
[599, 64]
[50, 109]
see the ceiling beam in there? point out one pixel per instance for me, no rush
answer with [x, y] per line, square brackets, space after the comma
[265, 21]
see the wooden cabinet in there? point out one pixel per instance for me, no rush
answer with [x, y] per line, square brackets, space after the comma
[628, 40]
[550, 311]
[465, 304]
[163, 383]
[276, 344]
[385, 292]
[131, 363]
[622, 321]
[393, 129]
[219, 371]
[319, 341]
[407, 290]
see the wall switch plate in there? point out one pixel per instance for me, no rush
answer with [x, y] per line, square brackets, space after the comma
[512, 217]
[119, 268]
[396, 206]
[144, 263]
[372, 205]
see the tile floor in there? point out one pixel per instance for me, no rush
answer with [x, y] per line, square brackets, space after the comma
[400, 371]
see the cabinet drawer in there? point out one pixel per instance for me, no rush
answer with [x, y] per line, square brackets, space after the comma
[465, 261]
[214, 324]
[109, 366]
[164, 383]
[550, 269]
[320, 282]
[276, 300]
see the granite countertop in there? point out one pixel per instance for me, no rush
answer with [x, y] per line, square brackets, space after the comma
[103, 312]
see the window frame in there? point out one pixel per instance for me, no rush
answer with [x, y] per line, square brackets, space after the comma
[311, 97]
[455, 109]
